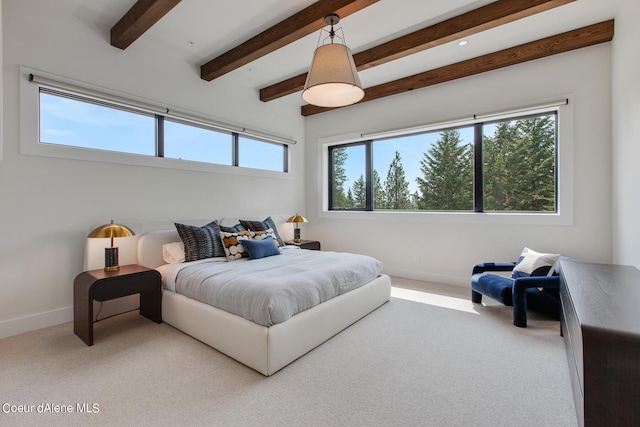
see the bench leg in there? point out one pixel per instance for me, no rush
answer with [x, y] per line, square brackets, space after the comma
[519, 305]
[476, 296]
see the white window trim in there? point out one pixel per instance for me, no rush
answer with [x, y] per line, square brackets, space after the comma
[565, 186]
[30, 140]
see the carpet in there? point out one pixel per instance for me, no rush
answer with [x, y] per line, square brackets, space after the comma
[422, 359]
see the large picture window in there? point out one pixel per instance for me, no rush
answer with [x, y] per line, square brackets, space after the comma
[505, 165]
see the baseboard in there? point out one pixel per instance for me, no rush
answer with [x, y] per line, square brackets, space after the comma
[427, 277]
[11, 327]
[21, 325]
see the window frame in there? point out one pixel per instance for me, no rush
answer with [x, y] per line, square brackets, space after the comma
[30, 130]
[564, 173]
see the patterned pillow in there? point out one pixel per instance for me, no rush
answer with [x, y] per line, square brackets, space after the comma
[232, 244]
[234, 229]
[261, 248]
[262, 235]
[532, 263]
[263, 226]
[200, 242]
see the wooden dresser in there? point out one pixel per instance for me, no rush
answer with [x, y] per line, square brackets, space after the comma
[601, 328]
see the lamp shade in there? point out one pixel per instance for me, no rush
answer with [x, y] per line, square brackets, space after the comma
[332, 80]
[109, 231]
[297, 218]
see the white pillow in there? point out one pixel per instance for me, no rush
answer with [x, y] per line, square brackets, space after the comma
[173, 253]
[533, 263]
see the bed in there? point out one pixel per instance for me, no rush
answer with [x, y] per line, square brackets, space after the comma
[266, 347]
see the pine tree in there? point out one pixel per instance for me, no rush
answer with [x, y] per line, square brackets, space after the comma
[447, 175]
[340, 199]
[379, 196]
[359, 193]
[396, 186]
[500, 164]
[519, 166]
[538, 180]
[349, 198]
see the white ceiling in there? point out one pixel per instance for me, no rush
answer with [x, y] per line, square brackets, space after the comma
[199, 30]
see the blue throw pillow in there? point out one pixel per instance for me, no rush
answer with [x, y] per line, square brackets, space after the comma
[260, 248]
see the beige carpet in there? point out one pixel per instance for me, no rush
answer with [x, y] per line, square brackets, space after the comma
[423, 359]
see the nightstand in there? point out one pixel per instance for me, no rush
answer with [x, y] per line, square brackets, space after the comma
[103, 285]
[313, 245]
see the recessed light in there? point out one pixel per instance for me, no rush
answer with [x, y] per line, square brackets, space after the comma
[462, 42]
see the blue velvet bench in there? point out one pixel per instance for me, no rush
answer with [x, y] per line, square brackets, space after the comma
[536, 293]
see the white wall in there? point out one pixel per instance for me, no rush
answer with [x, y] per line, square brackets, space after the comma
[48, 205]
[626, 136]
[449, 247]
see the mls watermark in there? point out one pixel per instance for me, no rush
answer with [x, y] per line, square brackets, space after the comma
[51, 408]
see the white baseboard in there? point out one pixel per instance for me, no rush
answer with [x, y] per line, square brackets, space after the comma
[428, 277]
[11, 327]
[21, 325]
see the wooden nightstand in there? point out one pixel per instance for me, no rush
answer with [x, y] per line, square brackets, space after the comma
[313, 245]
[103, 285]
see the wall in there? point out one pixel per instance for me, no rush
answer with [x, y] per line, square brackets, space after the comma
[448, 246]
[626, 136]
[48, 205]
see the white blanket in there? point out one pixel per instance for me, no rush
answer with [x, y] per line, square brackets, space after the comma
[273, 289]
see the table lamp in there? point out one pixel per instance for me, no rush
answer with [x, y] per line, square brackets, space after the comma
[296, 220]
[109, 231]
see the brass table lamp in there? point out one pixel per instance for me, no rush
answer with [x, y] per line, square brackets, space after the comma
[296, 220]
[110, 231]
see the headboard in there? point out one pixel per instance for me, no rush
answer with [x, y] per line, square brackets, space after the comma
[162, 232]
[150, 246]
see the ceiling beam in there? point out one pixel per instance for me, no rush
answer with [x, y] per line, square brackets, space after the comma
[142, 16]
[295, 27]
[484, 18]
[565, 42]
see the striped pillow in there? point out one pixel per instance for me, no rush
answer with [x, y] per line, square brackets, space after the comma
[234, 229]
[200, 242]
[263, 226]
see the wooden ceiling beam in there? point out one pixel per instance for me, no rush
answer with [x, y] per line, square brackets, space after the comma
[295, 27]
[142, 16]
[484, 18]
[561, 43]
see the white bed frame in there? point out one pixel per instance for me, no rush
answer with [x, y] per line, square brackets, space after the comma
[265, 349]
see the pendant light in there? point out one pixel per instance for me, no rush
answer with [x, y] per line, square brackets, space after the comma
[332, 80]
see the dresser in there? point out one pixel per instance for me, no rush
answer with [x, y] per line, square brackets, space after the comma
[601, 329]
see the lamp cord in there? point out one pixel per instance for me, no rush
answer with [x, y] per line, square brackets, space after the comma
[98, 313]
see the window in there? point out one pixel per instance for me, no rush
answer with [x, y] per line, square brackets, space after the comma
[261, 155]
[506, 165]
[519, 165]
[348, 177]
[82, 123]
[188, 142]
[66, 120]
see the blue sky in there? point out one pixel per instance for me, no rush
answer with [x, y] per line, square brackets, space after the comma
[66, 121]
[411, 149]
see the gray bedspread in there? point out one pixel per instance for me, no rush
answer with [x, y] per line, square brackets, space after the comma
[273, 289]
